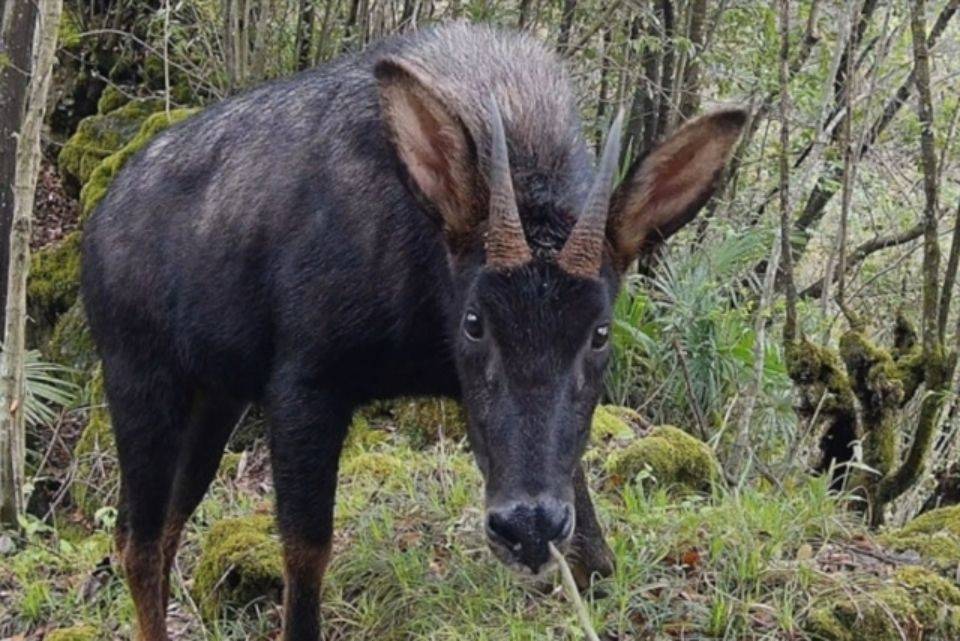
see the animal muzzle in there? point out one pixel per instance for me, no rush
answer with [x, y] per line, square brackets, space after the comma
[520, 532]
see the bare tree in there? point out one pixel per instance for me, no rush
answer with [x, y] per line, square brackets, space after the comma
[14, 349]
[863, 387]
[16, 35]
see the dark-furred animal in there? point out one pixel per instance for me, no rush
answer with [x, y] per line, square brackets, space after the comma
[423, 218]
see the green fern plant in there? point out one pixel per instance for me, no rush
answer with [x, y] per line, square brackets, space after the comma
[49, 387]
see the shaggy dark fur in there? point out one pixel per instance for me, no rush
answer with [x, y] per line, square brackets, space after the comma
[274, 249]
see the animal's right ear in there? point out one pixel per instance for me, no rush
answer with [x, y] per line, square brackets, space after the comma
[433, 144]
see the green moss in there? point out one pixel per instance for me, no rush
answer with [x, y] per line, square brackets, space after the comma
[95, 479]
[68, 32]
[362, 436]
[241, 561]
[914, 602]
[877, 383]
[934, 535]
[422, 420]
[100, 178]
[101, 135]
[229, 465]
[945, 519]
[818, 370]
[71, 343]
[52, 285]
[111, 99]
[911, 366]
[904, 334]
[672, 457]
[614, 423]
[376, 465]
[76, 633]
[936, 598]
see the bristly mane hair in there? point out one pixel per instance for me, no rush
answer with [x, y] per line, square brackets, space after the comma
[464, 65]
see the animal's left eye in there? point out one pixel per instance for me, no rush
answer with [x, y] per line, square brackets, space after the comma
[601, 336]
[472, 326]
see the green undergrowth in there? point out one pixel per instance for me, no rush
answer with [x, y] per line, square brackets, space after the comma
[410, 559]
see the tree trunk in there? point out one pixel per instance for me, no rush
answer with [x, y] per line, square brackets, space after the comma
[790, 324]
[690, 96]
[304, 34]
[566, 25]
[938, 365]
[524, 18]
[16, 36]
[666, 72]
[12, 447]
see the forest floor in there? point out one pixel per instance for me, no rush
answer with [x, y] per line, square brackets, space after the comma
[411, 562]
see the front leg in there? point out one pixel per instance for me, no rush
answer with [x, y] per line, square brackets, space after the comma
[589, 553]
[307, 429]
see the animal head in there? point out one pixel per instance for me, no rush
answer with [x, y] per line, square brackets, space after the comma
[531, 320]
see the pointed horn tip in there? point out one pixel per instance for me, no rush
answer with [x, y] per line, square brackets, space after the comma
[611, 148]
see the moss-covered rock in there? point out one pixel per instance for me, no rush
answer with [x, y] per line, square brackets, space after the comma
[670, 456]
[75, 633]
[241, 561]
[96, 476]
[52, 285]
[55, 270]
[915, 604]
[614, 423]
[103, 174]
[111, 99]
[935, 536]
[422, 420]
[101, 135]
[71, 343]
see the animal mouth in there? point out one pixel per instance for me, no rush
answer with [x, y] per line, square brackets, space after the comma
[510, 555]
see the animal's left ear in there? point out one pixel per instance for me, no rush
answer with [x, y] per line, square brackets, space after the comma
[665, 189]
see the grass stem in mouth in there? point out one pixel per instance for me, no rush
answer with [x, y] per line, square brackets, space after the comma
[570, 587]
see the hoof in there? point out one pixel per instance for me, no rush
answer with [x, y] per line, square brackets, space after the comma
[590, 559]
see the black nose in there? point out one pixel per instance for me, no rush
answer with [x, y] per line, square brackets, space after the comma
[524, 529]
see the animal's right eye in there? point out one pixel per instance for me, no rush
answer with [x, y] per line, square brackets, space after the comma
[472, 326]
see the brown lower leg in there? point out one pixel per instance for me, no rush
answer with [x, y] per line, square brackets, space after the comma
[590, 552]
[169, 544]
[143, 563]
[304, 566]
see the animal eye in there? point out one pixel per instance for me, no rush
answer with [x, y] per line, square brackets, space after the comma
[472, 326]
[601, 336]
